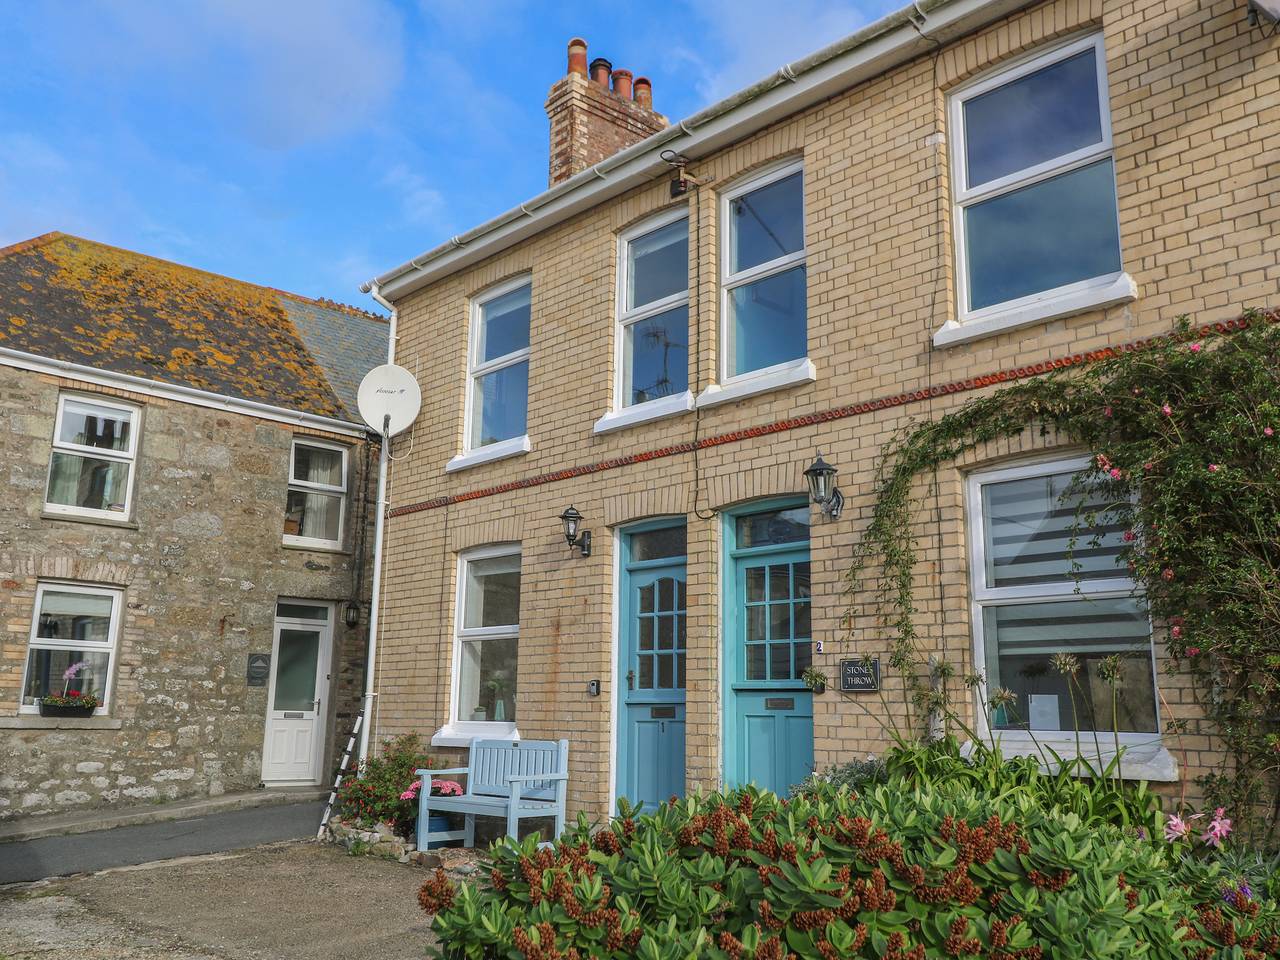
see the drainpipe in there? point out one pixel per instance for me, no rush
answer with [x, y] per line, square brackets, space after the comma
[375, 595]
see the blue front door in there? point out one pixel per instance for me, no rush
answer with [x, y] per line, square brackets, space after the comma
[651, 671]
[768, 646]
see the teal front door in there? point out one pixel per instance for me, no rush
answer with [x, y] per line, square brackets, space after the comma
[651, 670]
[768, 646]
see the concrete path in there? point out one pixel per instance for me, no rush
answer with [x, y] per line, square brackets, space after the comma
[288, 901]
[121, 846]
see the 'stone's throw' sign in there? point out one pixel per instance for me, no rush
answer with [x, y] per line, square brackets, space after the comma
[860, 676]
[259, 669]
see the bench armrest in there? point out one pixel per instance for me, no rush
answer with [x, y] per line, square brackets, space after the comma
[525, 778]
[433, 772]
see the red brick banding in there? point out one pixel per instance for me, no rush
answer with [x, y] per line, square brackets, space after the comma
[807, 420]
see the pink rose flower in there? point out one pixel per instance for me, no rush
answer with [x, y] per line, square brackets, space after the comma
[1213, 468]
[1267, 431]
[1176, 631]
[1130, 536]
[1195, 347]
[1107, 412]
[1193, 651]
[1115, 473]
[1167, 410]
[1148, 466]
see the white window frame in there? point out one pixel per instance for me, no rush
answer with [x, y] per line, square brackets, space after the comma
[129, 456]
[1076, 297]
[305, 486]
[622, 414]
[512, 446]
[981, 596]
[45, 643]
[779, 375]
[458, 732]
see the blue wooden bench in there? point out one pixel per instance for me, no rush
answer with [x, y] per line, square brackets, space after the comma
[516, 779]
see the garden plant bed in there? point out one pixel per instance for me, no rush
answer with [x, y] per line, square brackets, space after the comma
[381, 841]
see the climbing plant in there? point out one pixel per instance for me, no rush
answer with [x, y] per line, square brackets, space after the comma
[1185, 432]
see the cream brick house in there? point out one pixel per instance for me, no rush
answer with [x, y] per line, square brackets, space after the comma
[961, 194]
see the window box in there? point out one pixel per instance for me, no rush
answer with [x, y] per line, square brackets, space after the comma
[91, 468]
[65, 710]
[1035, 214]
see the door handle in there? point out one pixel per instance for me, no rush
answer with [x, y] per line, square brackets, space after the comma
[631, 679]
[317, 707]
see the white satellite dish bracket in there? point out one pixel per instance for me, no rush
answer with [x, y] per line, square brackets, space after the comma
[389, 399]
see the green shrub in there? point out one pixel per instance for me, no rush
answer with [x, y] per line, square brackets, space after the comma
[376, 797]
[920, 866]
[854, 774]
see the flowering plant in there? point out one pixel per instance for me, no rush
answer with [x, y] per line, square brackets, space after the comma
[85, 699]
[439, 788]
[387, 792]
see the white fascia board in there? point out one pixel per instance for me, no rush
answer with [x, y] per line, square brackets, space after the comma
[896, 39]
[170, 391]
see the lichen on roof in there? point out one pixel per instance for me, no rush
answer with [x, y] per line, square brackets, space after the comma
[66, 298]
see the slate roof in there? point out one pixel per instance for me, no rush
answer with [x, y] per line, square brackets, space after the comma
[67, 298]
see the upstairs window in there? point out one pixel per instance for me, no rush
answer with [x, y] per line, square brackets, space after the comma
[1042, 588]
[316, 506]
[498, 398]
[763, 281]
[73, 638]
[1036, 215]
[94, 447]
[653, 316]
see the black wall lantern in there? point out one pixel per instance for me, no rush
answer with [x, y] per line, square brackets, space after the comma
[573, 532]
[822, 488]
[351, 613]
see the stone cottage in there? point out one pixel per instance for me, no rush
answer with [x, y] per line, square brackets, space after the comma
[665, 339]
[184, 528]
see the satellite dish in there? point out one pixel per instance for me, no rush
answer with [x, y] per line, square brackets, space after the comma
[389, 399]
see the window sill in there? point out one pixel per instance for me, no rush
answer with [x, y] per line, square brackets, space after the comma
[461, 734]
[290, 543]
[88, 518]
[1122, 289]
[644, 412]
[36, 722]
[784, 375]
[1144, 758]
[494, 451]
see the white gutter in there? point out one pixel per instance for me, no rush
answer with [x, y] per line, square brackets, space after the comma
[172, 391]
[375, 595]
[896, 39]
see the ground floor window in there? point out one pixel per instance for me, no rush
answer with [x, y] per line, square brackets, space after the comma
[73, 639]
[1053, 603]
[488, 636]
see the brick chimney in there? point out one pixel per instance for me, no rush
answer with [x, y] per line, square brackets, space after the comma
[593, 117]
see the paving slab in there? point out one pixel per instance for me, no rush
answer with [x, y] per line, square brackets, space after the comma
[292, 901]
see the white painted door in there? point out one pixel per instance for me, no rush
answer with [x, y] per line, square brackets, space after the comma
[298, 687]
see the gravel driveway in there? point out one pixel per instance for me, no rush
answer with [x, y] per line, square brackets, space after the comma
[292, 901]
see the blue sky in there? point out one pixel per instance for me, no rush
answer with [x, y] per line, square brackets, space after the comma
[310, 144]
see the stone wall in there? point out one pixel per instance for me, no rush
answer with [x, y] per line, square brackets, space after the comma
[202, 564]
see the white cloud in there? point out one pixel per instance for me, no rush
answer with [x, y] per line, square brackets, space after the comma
[285, 72]
[742, 41]
[420, 203]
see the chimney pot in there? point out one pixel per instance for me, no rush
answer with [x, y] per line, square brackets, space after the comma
[644, 92]
[578, 56]
[600, 71]
[622, 83]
